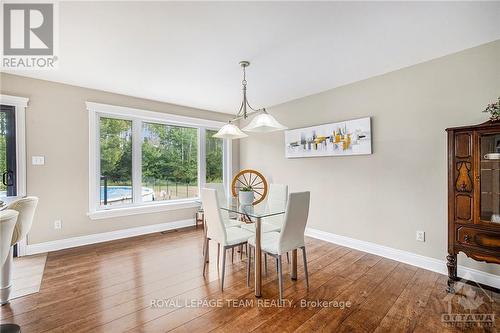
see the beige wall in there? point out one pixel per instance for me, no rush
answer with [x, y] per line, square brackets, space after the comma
[57, 128]
[385, 197]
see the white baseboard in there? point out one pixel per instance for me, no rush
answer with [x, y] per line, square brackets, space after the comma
[410, 258]
[105, 236]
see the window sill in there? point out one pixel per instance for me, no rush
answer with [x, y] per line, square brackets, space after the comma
[143, 209]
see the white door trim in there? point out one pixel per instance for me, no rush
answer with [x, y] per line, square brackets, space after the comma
[20, 104]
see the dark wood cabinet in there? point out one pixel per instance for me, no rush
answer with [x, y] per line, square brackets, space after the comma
[473, 195]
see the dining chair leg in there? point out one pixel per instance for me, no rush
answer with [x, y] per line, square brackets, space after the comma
[232, 255]
[249, 259]
[241, 252]
[280, 277]
[207, 250]
[218, 255]
[305, 266]
[204, 239]
[287, 258]
[205, 255]
[223, 266]
[265, 263]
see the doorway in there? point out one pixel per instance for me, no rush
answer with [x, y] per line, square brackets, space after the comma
[8, 159]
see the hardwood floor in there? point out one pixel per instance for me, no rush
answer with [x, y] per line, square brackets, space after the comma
[154, 283]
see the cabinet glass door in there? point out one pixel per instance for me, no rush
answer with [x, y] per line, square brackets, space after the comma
[490, 178]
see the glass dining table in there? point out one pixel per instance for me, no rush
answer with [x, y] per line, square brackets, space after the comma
[256, 214]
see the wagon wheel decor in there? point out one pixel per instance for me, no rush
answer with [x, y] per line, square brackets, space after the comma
[255, 179]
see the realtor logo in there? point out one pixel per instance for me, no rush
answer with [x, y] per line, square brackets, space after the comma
[28, 29]
[28, 36]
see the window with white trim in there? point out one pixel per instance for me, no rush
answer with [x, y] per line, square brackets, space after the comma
[144, 159]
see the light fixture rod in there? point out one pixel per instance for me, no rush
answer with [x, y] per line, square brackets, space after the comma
[238, 117]
[243, 111]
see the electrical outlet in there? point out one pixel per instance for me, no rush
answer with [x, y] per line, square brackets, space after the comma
[421, 236]
[57, 224]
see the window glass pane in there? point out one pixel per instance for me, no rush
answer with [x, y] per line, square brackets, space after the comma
[116, 161]
[169, 162]
[214, 158]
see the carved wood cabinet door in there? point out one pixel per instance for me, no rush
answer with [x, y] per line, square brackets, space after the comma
[464, 175]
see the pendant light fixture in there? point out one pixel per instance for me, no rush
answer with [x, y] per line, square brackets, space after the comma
[230, 131]
[263, 121]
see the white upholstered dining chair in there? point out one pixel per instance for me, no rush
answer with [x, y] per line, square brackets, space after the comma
[276, 201]
[228, 222]
[290, 237]
[227, 237]
[222, 200]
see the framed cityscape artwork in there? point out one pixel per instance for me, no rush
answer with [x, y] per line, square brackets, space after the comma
[351, 137]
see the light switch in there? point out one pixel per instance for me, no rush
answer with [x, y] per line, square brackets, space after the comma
[38, 160]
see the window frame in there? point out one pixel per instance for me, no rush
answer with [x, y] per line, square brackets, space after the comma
[138, 117]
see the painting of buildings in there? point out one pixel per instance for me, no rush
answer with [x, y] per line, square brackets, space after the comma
[351, 137]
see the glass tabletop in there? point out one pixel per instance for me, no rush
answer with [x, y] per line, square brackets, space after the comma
[258, 211]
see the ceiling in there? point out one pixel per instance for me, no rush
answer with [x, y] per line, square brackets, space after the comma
[188, 53]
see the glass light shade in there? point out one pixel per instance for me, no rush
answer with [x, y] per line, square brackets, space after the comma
[264, 122]
[230, 131]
